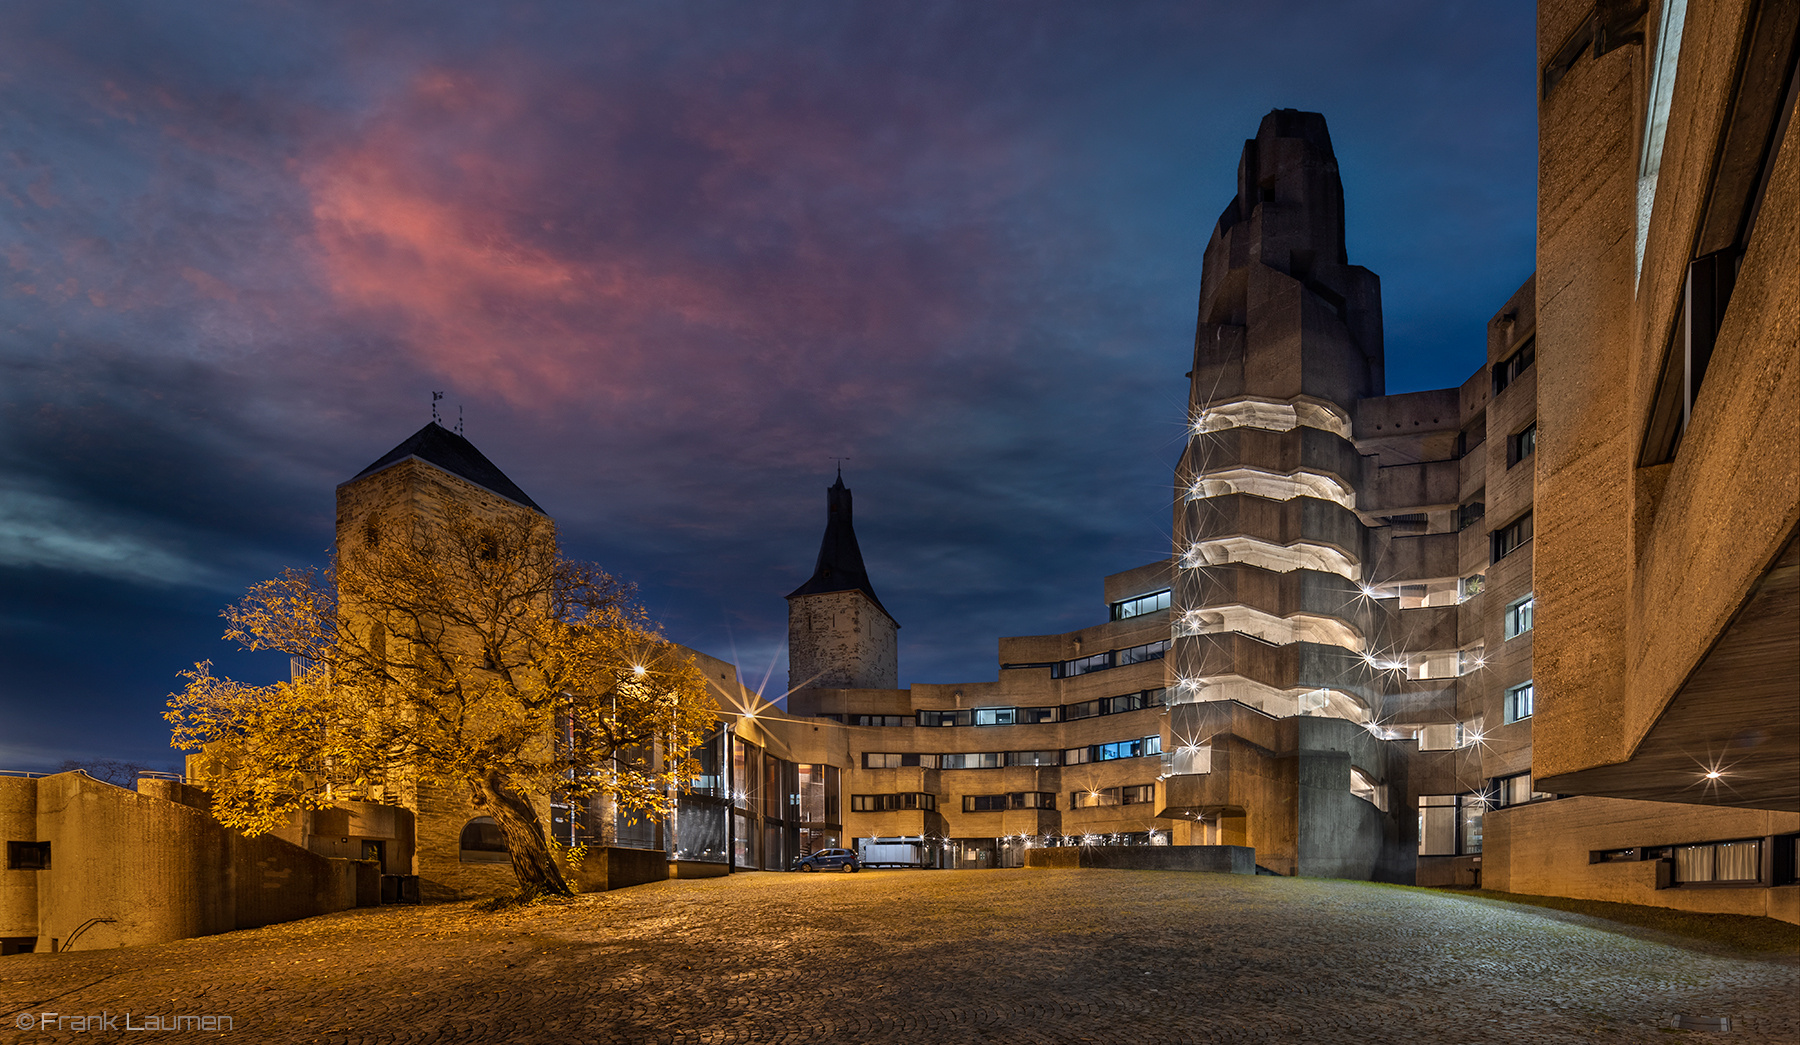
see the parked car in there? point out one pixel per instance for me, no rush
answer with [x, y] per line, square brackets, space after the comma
[826, 858]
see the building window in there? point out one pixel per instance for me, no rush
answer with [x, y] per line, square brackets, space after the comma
[1363, 786]
[1093, 798]
[1521, 446]
[1519, 701]
[1149, 651]
[897, 760]
[879, 720]
[1147, 698]
[482, 842]
[1516, 791]
[1011, 800]
[1033, 758]
[28, 856]
[1137, 794]
[1518, 616]
[1109, 752]
[889, 803]
[947, 718]
[1508, 370]
[1719, 862]
[1470, 586]
[1510, 537]
[1156, 600]
[971, 760]
[1450, 825]
[1469, 514]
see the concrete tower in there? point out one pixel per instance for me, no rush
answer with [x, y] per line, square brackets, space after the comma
[839, 635]
[1268, 542]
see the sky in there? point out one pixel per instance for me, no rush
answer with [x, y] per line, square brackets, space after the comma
[667, 260]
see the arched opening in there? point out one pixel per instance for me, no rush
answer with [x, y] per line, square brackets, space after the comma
[482, 842]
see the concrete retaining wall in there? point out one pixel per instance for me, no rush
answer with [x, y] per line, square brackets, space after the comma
[616, 867]
[154, 866]
[1218, 859]
[1541, 849]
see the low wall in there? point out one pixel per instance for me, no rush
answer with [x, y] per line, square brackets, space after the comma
[1541, 849]
[152, 866]
[616, 867]
[1218, 859]
[1438, 872]
[697, 869]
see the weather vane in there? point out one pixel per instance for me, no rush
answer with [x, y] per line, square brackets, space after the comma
[435, 419]
[840, 465]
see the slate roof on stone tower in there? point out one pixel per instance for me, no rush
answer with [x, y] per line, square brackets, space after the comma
[434, 444]
[840, 565]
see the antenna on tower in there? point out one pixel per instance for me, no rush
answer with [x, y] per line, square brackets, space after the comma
[459, 430]
[840, 465]
[435, 419]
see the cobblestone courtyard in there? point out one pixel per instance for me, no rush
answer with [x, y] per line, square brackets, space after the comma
[941, 956]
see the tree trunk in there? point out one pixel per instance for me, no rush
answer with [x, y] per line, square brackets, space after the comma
[531, 860]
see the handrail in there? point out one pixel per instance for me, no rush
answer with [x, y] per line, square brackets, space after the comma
[22, 772]
[84, 927]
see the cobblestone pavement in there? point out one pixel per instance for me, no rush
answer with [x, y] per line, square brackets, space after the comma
[933, 956]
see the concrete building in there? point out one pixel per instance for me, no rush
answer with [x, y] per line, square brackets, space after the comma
[1398, 637]
[90, 865]
[1669, 481]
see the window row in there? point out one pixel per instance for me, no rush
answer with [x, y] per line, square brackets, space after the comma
[1010, 800]
[886, 803]
[1074, 756]
[1077, 756]
[1093, 798]
[1419, 594]
[1118, 658]
[1016, 716]
[1739, 861]
[1156, 600]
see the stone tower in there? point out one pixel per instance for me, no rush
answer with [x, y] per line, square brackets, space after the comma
[1267, 536]
[409, 486]
[839, 634]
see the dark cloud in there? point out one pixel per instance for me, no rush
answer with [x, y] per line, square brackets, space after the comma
[669, 258]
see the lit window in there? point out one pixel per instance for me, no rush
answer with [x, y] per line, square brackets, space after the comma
[1156, 600]
[1519, 701]
[1518, 616]
[1450, 825]
[1719, 862]
[1094, 798]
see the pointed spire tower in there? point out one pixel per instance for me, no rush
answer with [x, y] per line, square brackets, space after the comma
[839, 634]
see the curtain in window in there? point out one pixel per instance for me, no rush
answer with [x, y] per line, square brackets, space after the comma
[1739, 861]
[1694, 863]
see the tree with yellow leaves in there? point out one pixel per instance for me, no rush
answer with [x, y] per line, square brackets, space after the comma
[464, 653]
